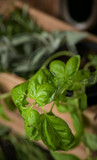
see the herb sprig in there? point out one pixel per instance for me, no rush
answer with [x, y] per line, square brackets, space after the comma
[49, 85]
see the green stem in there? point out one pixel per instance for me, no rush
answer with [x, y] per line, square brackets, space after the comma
[86, 67]
[88, 153]
[5, 95]
[52, 107]
[62, 53]
[43, 110]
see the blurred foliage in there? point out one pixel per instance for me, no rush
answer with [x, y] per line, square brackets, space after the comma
[24, 46]
[18, 148]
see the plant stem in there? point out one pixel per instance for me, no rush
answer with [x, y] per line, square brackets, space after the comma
[43, 110]
[62, 53]
[5, 95]
[52, 107]
[87, 66]
[88, 154]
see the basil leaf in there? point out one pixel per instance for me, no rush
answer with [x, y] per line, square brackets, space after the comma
[83, 101]
[42, 87]
[55, 133]
[32, 123]
[71, 68]
[19, 94]
[77, 123]
[32, 132]
[80, 80]
[31, 116]
[66, 106]
[90, 140]
[62, 156]
[58, 67]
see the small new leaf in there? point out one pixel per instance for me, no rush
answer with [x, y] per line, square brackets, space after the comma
[71, 68]
[58, 67]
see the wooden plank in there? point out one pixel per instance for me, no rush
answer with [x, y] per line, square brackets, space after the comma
[50, 23]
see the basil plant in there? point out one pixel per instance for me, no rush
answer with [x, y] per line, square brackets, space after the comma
[64, 85]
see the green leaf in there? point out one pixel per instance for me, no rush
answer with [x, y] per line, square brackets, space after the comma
[3, 114]
[19, 94]
[42, 87]
[3, 130]
[80, 80]
[83, 101]
[66, 106]
[32, 122]
[32, 132]
[31, 116]
[62, 156]
[10, 104]
[71, 68]
[78, 124]
[55, 133]
[96, 158]
[90, 140]
[58, 67]
[93, 59]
